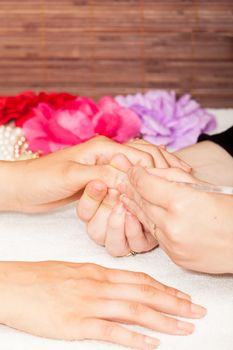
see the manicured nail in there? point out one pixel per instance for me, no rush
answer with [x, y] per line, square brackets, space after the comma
[185, 328]
[184, 296]
[151, 343]
[198, 311]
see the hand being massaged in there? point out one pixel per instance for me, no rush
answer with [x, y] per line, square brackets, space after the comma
[108, 222]
[156, 207]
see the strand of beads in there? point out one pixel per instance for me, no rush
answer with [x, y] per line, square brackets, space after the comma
[13, 144]
[8, 137]
[22, 151]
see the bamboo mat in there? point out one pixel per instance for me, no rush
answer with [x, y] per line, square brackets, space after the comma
[96, 47]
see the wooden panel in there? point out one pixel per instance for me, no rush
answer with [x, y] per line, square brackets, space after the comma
[98, 47]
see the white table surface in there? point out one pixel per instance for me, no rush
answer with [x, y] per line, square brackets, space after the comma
[60, 236]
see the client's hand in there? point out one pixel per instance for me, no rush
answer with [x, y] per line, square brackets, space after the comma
[85, 301]
[194, 228]
[59, 178]
[108, 223]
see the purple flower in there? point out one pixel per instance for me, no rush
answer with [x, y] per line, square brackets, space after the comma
[168, 121]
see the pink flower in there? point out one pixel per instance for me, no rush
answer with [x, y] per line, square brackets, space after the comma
[77, 121]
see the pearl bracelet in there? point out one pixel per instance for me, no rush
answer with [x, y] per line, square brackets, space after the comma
[13, 144]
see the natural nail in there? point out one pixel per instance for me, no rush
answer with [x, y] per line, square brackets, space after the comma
[198, 310]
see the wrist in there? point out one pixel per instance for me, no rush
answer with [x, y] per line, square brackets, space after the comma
[9, 183]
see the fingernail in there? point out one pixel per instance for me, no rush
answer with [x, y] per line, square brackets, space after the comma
[184, 296]
[185, 328]
[151, 343]
[198, 310]
[98, 186]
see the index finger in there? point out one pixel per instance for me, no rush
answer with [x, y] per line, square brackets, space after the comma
[154, 189]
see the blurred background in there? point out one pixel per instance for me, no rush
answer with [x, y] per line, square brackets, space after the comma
[97, 47]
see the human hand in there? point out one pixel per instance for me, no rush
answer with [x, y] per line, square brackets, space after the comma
[41, 184]
[73, 301]
[108, 223]
[186, 222]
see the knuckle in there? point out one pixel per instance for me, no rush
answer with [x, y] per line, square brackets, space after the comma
[137, 180]
[143, 278]
[114, 224]
[90, 268]
[150, 159]
[183, 305]
[170, 290]
[135, 309]
[101, 140]
[148, 290]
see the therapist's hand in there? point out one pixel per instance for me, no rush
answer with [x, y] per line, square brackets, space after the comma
[194, 228]
[72, 301]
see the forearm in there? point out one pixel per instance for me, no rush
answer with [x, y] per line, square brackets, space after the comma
[8, 186]
[210, 162]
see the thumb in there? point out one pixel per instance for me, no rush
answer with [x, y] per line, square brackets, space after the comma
[120, 162]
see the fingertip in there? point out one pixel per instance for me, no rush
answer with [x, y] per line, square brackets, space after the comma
[96, 190]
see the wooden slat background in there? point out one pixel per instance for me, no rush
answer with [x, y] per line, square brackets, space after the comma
[96, 47]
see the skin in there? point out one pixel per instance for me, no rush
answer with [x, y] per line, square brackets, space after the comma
[209, 162]
[42, 184]
[108, 223]
[194, 228]
[55, 299]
